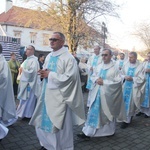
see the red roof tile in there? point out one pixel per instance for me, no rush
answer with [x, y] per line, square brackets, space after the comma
[18, 16]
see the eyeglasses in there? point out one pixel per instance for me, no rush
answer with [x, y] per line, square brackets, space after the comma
[28, 49]
[53, 40]
[104, 55]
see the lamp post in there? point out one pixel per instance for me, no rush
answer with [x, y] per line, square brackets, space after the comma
[104, 31]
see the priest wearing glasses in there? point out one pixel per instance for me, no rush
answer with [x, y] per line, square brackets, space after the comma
[106, 103]
[60, 105]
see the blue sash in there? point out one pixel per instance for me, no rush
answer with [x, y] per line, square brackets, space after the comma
[121, 64]
[145, 103]
[94, 112]
[94, 64]
[128, 89]
[46, 123]
[28, 88]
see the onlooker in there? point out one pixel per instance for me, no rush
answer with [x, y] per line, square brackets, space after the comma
[41, 59]
[14, 66]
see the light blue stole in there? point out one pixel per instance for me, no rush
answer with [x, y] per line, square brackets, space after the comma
[128, 89]
[121, 63]
[28, 88]
[94, 64]
[94, 111]
[145, 103]
[46, 123]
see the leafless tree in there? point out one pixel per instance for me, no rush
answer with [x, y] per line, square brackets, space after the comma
[142, 32]
[77, 19]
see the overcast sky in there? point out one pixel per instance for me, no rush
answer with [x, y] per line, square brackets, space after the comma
[133, 12]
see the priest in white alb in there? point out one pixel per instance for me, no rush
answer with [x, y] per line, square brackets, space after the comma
[120, 62]
[145, 106]
[106, 103]
[60, 105]
[29, 84]
[92, 63]
[7, 102]
[133, 87]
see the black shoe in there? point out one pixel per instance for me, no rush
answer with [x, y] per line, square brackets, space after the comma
[124, 125]
[42, 148]
[83, 136]
[139, 114]
[145, 116]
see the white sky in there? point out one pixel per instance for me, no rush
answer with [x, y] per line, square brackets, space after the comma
[131, 13]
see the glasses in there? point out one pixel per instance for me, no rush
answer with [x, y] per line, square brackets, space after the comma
[104, 55]
[53, 40]
[28, 49]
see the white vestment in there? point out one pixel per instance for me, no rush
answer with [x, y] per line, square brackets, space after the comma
[63, 100]
[7, 102]
[109, 102]
[137, 89]
[145, 107]
[120, 63]
[3, 131]
[29, 87]
[91, 63]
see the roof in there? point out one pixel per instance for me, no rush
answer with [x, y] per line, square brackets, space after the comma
[23, 17]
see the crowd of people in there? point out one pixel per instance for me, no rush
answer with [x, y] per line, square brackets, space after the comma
[50, 93]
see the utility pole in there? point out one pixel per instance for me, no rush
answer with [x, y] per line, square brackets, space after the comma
[104, 31]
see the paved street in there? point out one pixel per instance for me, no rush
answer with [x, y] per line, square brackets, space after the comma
[136, 137]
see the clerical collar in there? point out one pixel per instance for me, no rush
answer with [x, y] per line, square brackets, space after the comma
[134, 65]
[107, 66]
[30, 56]
[59, 52]
[98, 55]
[122, 60]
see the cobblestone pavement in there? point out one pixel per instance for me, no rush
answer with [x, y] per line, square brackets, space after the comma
[136, 137]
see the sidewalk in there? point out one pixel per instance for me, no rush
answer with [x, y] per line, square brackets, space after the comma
[136, 137]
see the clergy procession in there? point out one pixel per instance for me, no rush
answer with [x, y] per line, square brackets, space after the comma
[51, 95]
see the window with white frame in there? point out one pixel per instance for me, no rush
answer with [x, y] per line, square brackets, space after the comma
[46, 39]
[33, 37]
[17, 33]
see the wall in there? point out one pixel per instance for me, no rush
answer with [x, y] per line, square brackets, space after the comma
[26, 37]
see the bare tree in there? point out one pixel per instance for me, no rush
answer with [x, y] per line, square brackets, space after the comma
[75, 18]
[142, 32]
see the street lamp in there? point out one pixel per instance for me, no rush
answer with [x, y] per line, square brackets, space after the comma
[104, 31]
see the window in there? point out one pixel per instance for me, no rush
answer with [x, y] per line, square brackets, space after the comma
[46, 39]
[33, 37]
[17, 34]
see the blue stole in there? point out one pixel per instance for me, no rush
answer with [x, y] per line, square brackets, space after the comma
[28, 88]
[121, 63]
[128, 89]
[145, 103]
[94, 64]
[46, 123]
[94, 112]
